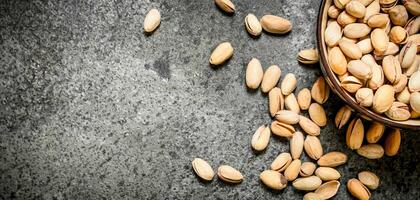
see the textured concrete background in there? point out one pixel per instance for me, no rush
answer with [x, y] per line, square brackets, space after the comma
[92, 108]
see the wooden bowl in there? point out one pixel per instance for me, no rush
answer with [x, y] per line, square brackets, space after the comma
[334, 83]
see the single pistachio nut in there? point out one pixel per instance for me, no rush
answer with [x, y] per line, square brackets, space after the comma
[383, 99]
[375, 132]
[356, 30]
[309, 126]
[386, 5]
[287, 117]
[288, 84]
[341, 4]
[403, 96]
[337, 61]
[371, 10]
[359, 69]
[344, 19]
[364, 97]
[292, 172]
[309, 183]
[225, 5]
[304, 98]
[378, 20]
[333, 12]
[296, 145]
[229, 174]
[320, 90]
[313, 147]
[307, 169]
[365, 46]
[252, 25]
[327, 173]
[371, 151]
[356, 9]
[398, 15]
[281, 162]
[357, 189]
[317, 114]
[355, 134]
[308, 56]
[151, 21]
[311, 196]
[275, 24]
[379, 40]
[369, 179]
[221, 53]
[400, 85]
[377, 79]
[254, 74]
[202, 169]
[270, 78]
[408, 54]
[398, 111]
[414, 82]
[328, 189]
[413, 7]
[392, 68]
[398, 35]
[291, 103]
[415, 101]
[273, 179]
[413, 68]
[392, 142]
[351, 84]
[333, 34]
[275, 101]
[261, 138]
[282, 129]
[342, 116]
[350, 49]
[332, 159]
[413, 25]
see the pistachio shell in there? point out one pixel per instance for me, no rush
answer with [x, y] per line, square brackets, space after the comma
[281, 162]
[288, 84]
[378, 20]
[254, 74]
[408, 54]
[356, 9]
[414, 82]
[357, 189]
[398, 35]
[282, 129]
[355, 134]
[225, 5]
[398, 15]
[320, 90]
[392, 142]
[332, 34]
[203, 169]
[292, 172]
[341, 4]
[151, 21]
[415, 101]
[377, 79]
[311, 196]
[383, 98]
[221, 53]
[403, 96]
[313, 147]
[304, 98]
[308, 56]
[400, 85]
[252, 25]
[392, 49]
[359, 69]
[375, 132]
[386, 5]
[365, 46]
[270, 78]
[379, 40]
[350, 49]
[276, 101]
[333, 12]
[296, 145]
[364, 97]
[229, 174]
[275, 24]
[307, 183]
[392, 69]
[351, 84]
[287, 117]
[413, 68]
[371, 151]
[328, 189]
[317, 114]
[372, 9]
[337, 61]
[309, 126]
[273, 179]
[327, 173]
[332, 159]
[413, 26]
[291, 103]
[369, 179]
[412, 6]
[307, 169]
[344, 18]
[261, 138]
[342, 116]
[356, 30]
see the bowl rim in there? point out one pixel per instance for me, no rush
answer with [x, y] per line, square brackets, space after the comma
[335, 86]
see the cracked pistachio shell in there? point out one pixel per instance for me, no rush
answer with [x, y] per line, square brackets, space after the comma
[317, 114]
[398, 15]
[221, 53]
[309, 126]
[307, 169]
[309, 183]
[342, 117]
[372, 9]
[313, 147]
[332, 34]
[203, 169]
[365, 46]
[355, 134]
[288, 84]
[281, 162]
[308, 56]
[415, 101]
[369, 179]
[333, 12]
[356, 30]
[413, 68]
[311, 196]
[275, 24]
[225, 5]
[364, 97]
[291, 103]
[270, 78]
[254, 73]
[292, 172]
[229, 174]
[379, 40]
[375, 132]
[351, 84]
[398, 111]
[414, 82]
[337, 61]
[275, 101]
[359, 69]
[377, 79]
[282, 129]
[403, 96]
[344, 18]
[400, 85]
[261, 138]
[383, 99]
[296, 145]
[392, 68]
[332, 159]
[320, 90]
[304, 98]
[408, 55]
[327, 173]
[415, 39]
[392, 142]
[412, 7]
[378, 20]
[350, 49]
[398, 35]
[356, 9]
[357, 189]
[328, 189]
[273, 179]
[371, 151]
[252, 25]
[341, 4]
[413, 26]
[386, 5]
[151, 21]
[287, 117]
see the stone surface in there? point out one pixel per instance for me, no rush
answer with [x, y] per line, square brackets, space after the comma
[92, 108]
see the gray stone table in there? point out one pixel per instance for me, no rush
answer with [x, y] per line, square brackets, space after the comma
[92, 108]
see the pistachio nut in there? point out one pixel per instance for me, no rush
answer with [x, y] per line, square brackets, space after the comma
[344, 18]
[221, 53]
[398, 35]
[332, 159]
[320, 90]
[414, 82]
[356, 9]
[356, 30]
[413, 68]
[365, 46]
[292, 172]
[369, 59]
[282, 129]
[291, 103]
[229, 174]
[392, 142]
[337, 61]
[375, 132]
[383, 98]
[413, 26]
[415, 39]
[351, 84]
[311, 196]
[359, 69]
[307, 169]
[202, 169]
[225, 5]
[387, 28]
[273, 179]
[254, 74]
[377, 79]
[341, 4]
[415, 101]
[350, 49]
[328, 189]
[391, 50]
[357, 189]
[342, 116]
[332, 34]
[151, 21]
[378, 20]
[309, 183]
[392, 68]
[252, 25]
[317, 114]
[270, 78]
[408, 54]
[371, 151]
[355, 134]
[341, 77]
[398, 15]
[403, 96]
[304, 98]
[400, 85]
[369, 179]
[371, 10]
[281, 162]
[327, 173]
[287, 117]
[313, 147]
[261, 138]
[387, 4]
[333, 12]
[275, 24]
[275, 101]
[309, 126]
[379, 40]
[288, 84]
[308, 56]
[364, 97]
[413, 6]
[296, 145]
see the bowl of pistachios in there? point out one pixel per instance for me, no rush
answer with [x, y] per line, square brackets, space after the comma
[369, 54]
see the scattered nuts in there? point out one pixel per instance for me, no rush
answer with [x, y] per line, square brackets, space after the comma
[313, 147]
[281, 162]
[275, 24]
[270, 78]
[203, 169]
[221, 53]
[371, 151]
[327, 173]
[254, 74]
[369, 179]
[328, 189]
[151, 21]
[229, 174]
[225, 5]
[273, 179]
[304, 98]
[357, 189]
[252, 25]
[308, 56]
[392, 142]
[317, 114]
[261, 138]
[296, 145]
[307, 183]
[332, 159]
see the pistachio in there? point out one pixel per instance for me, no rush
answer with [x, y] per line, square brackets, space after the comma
[371, 151]
[333, 12]
[252, 25]
[327, 173]
[403, 96]
[288, 84]
[317, 114]
[407, 55]
[379, 40]
[364, 97]
[320, 90]
[292, 172]
[307, 183]
[350, 49]
[328, 189]
[398, 15]
[351, 84]
[387, 4]
[281, 162]
[225, 5]
[273, 179]
[412, 6]
[356, 9]
[151, 21]
[337, 61]
[387, 28]
[342, 116]
[221, 53]
[307, 169]
[398, 35]
[369, 59]
[413, 26]
[304, 98]
[415, 101]
[291, 103]
[308, 56]
[400, 85]
[413, 68]
[254, 73]
[270, 78]
[313, 147]
[309, 126]
[383, 98]
[287, 117]
[359, 69]
[392, 49]
[275, 24]
[342, 77]
[202, 169]
[378, 20]
[261, 138]
[392, 69]
[415, 39]
[341, 4]
[276, 101]
[229, 174]
[369, 179]
[372, 9]
[282, 129]
[365, 46]
[377, 79]
[355, 134]
[344, 18]
[332, 159]
[357, 189]
[375, 132]
[392, 142]
[365, 2]
[296, 145]
[356, 30]
[414, 82]
[332, 34]
[311, 196]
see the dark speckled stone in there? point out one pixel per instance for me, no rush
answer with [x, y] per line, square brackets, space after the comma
[93, 108]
